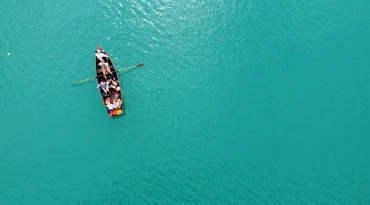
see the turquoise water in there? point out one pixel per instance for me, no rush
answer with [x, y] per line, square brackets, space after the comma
[238, 102]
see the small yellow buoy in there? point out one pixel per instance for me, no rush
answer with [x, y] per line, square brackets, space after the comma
[8, 54]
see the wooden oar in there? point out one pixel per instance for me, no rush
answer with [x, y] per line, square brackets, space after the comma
[88, 79]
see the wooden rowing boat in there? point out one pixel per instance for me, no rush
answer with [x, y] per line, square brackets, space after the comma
[115, 92]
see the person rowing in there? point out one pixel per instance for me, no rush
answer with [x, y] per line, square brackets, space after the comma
[105, 68]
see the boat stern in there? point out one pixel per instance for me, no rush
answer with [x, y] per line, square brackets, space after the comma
[116, 112]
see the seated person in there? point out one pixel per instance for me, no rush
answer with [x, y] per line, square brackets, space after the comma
[111, 106]
[110, 80]
[110, 76]
[105, 85]
[116, 94]
[107, 100]
[112, 84]
[117, 103]
[105, 68]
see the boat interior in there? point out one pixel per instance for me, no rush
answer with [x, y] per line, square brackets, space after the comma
[113, 93]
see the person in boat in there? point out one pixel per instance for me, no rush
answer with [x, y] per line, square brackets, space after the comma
[117, 103]
[107, 100]
[100, 55]
[103, 64]
[112, 84]
[105, 85]
[116, 93]
[111, 77]
[113, 105]
[110, 106]
[105, 68]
